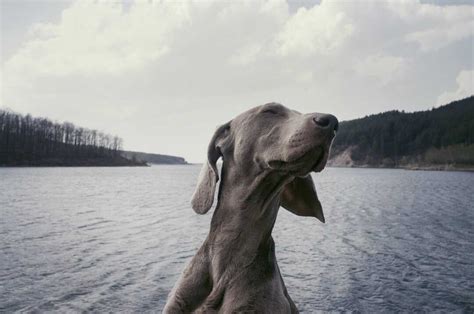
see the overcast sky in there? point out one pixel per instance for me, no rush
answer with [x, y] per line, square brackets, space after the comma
[162, 75]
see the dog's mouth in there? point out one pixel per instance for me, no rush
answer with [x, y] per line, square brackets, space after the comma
[312, 160]
[321, 161]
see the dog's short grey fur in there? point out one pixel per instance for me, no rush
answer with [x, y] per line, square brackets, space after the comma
[268, 153]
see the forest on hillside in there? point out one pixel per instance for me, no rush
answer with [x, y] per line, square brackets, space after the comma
[29, 141]
[443, 135]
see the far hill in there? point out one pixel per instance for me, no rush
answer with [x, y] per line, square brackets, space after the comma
[440, 138]
[32, 141]
[154, 158]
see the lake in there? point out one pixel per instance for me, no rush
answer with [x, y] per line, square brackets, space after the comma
[116, 239]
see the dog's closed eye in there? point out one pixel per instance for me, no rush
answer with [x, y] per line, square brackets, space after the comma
[272, 111]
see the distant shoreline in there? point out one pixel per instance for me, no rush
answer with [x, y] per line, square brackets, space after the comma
[108, 161]
[411, 167]
[71, 166]
[152, 158]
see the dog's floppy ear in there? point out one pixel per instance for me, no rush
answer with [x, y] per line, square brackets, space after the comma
[203, 196]
[299, 197]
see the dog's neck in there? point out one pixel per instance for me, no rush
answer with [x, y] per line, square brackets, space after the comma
[245, 214]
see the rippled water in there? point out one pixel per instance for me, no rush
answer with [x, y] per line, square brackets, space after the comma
[116, 239]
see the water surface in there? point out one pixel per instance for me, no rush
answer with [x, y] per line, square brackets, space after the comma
[116, 239]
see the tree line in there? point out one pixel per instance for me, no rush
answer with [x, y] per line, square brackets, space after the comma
[28, 140]
[396, 134]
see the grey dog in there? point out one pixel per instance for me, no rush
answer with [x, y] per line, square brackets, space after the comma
[268, 153]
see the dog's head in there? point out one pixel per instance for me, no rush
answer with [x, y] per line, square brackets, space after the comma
[268, 139]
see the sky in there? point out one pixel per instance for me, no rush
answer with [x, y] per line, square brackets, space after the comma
[164, 74]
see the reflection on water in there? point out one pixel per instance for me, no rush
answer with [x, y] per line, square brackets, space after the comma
[108, 239]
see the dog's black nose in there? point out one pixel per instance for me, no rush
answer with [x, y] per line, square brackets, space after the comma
[326, 121]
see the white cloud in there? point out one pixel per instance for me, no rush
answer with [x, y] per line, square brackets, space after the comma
[246, 55]
[440, 26]
[465, 88]
[100, 37]
[381, 68]
[319, 30]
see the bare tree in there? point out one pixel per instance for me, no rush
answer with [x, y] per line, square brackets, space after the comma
[24, 139]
